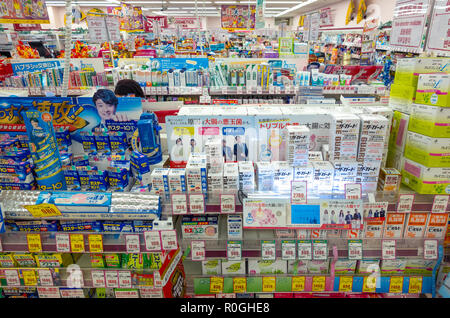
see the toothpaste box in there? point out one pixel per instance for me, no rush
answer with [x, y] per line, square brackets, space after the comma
[177, 180]
[429, 151]
[196, 176]
[323, 176]
[20, 168]
[267, 267]
[230, 177]
[215, 181]
[160, 182]
[264, 173]
[233, 267]
[389, 180]
[17, 186]
[88, 142]
[283, 175]
[424, 179]
[200, 227]
[433, 89]
[344, 266]
[212, 267]
[75, 202]
[246, 176]
[344, 137]
[432, 121]
[16, 177]
[297, 148]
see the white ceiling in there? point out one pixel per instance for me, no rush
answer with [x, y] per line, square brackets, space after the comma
[281, 8]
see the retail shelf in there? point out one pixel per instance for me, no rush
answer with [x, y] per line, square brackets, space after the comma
[252, 91]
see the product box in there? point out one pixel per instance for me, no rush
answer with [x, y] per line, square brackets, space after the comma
[214, 153]
[344, 137]
[256, 267]
[366, 266]
[196, 176]
[297, 267]
[77, 202]
[117, 179]
[200, 227]
[419, 267]
[401, 97]
[318, 267]
[344, 172]
[323, 176]
[234, 226]
[211, 267]
[393, 267]
[344, 266]
[233, 267]
[246, 176]
[415, 227]
[372, 137]
[394, 225]
[408, 70]
[140, 167]
[432, 121]
[215, 181]
[424, 179]
[429, 151]
[433, 89]
[437, 224]
[399, 129]
[297, 147]
[283, 175]
[264, 174]
[160, 182]
[177, 180]
[230, 177]
[389, 180]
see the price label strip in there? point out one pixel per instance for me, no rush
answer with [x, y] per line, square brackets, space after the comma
[440, 204]
[196, 203]
[198, 252]
[124, 279]
[298, 283]
[369, 284]
[43, 210]
[179, 204]
[112, 279]
[355, 249]
[216, 285]
[304, 248]
[227, 203]
[34, 243]
[288, 250]
[152, 241]
[132, 243]
[268, 284]
[299, 192]
[320, 250]
[12, 277]
[95, 243]
[169, 240]
[268, 250]
[430, 249]
[77, 243]
[405, 203]
[62, 243]
[234, 250]
[388, 250]
[239, 285]
[415, 285]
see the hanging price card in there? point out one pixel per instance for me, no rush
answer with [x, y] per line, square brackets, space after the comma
[29, 277]
[259, 90]
[225, 90]
[288, 250]
[430, 249]
[34, 243]
[124, 279]
[353, 191]
[234, 250]
[345, 284]
[216, 284]
[12, 277]
[112, 279]
[248, 89]
[268, 250]
[72, 293]
[268, 284]
[98, 279]
[388, 249]
[298, 283]
[132, 243]
[304, 249]
[298, 192]
[415, 285]
[320, 251]
[396, 284]
[271, 89]
[318, 284]
[198, 250]
[149, 292]
[95, 243]
[62, 243]
[179, 204]
[239, 285]
[277, 90]
[369, 284]
[77, 243]
[152, 241]
[205, 99]
[45, 277]
[440, 204]
[49, 292]
[227, 203]
[405, 203]
[196, 203]
[43, 210]
[355, 249]
[169, 240]
[239, 90]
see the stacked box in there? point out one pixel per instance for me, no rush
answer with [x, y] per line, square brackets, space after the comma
[214, 154]
[160, 182]
[283, 175]
[429, 151]
[264, 173]
[215, 181]
[323, 176]
[397, 140]
[344, 137]
[389, 180]
[433, 89]
[433, 121]
[372, 137]
[246, 176]
[230, 177]
[177, 180]
[344, 172]
[426, 180]
[196, 174]
[297, 148]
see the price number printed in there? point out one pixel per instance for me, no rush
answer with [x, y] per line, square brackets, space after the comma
[268, 284]
[345, 284]
[77, 243]
[288, 250]
[299, 192]
[405, 203]
[179, 204]
[396, 284]
[388, 249]
[98, 279]
[430, 249]
[227, 203]
[12, 277]
[440, 203]
[152, 241]
[169, 240]
[43, 210]
[268, 250]
[355, 249]
[298, 283]
[62, 243]
[95, 243]
[133, 244]
[198, 252]
[234, 250]
[415, 284]
[216, 285]
[124, 279]
[34, 243]
[318, 284]
[353, 191]
[320, 251]
[239, 284]
[112, 279]
[45, 277]
[304, 249]
[196, 203]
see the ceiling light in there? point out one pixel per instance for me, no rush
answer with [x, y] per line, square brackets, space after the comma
[203, 8]
[225, 2]
[281, 2]
[190, 2]
[298, 6]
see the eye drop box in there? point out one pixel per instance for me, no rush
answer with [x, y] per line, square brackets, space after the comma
[297, 149]
[432, 121]
[215, 181]
[425, 180]
[212, 267]
[230, 177]
[177, 180]
[264, 173]
[233, 267]
[344, 266]
[433, 89]
[282, 177]
[323, 176]
[344, 172]
[160, 182]
[246, 176]
[256, 267]
[344, 137]
[389, 180]
[234, 226]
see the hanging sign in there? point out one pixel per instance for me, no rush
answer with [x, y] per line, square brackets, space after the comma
[184, 22]
[350, 12]
[24, 11]
[326, 20]
[150, 21]
[259, 14]
[314, 27]
[439, 34]
[361, 11]
[238, 17]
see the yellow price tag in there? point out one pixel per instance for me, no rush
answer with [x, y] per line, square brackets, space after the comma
[268, 284]
[318, 284]
[216, 284]
[396, 284]
[34, 243]
[369, 284]
[345, 283]
[95, 243]
[43, 210]
[77, 243]
[29, 277]
[298, 283]
[415, 285]
[239, 285]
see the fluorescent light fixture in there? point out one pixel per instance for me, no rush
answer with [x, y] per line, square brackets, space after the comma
[281, 2]
[247, 2]
[199, 7]
[225, 2]
[144, 2]
[190, 2]
[276, 8]
[298, 6]
[159, 13]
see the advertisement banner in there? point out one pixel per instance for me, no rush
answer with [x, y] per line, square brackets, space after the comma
[25, 66]
[99, 27]
[130, 17]
[314, 26]
[184, 22]
[238, 17]
[259, 15]
[149, 21]
[409, 24]
[326, 20]
[5, 69]
[24, 11]
[439, 34]
[362, 74]
[27, 27]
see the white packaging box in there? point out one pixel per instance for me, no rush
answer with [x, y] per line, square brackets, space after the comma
[282, 177]
[267, 267]
[212, 267]
[323, 176]
[264, 173]
[214, 153]
[344, 172]
[372, 139]
[160, 182]
[215, 181]
[196, 177]
[234, 226]
[344, 137]
[305, 173]
[230, 177]
[233, 267]
[426, 173]
[369, 169]
[246, 176]
[195, 110]
[297, 148]
[177, 180]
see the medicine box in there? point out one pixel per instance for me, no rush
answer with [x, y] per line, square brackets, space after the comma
[177, 180]
[230, 177]
[433, 89]
[233, 267]
[196, 177]
[200, 227]
[215, 181]
[212, 267]
[246, 176]
[264, 173]
[429, 151]
[425, 180]
[297, 148]
[266, 267]
[432, 121]
[160, 182]
[389, 180]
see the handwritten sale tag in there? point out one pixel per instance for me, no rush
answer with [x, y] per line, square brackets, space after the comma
[62, 243]
[152, 241]
[45, 277]
[239, 284]
[430, 249]
[77, 243]
[198, 250]
[269, 284]
[318, 284]
[98, 279]
[299, 192]
[388, 249]
[132, 243]
[353, 191]
[298, 283]
[179, 204]
[415, 285]
[227, 203]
